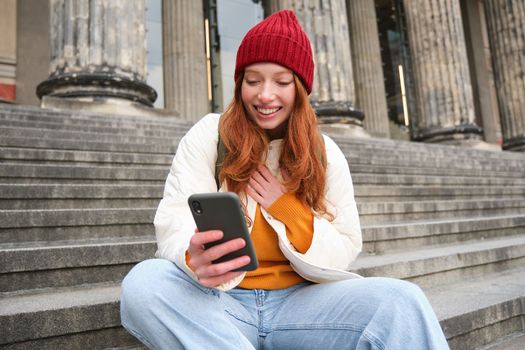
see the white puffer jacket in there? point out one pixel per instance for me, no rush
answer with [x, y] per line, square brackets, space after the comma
[335, 245]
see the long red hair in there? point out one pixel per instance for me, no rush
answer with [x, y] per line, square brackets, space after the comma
[303, 156]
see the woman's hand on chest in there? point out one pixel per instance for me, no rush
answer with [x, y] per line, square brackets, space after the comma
[264, 188]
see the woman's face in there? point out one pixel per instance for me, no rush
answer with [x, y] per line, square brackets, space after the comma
[268, 95]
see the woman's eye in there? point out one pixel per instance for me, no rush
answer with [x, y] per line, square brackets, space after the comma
[284, 83]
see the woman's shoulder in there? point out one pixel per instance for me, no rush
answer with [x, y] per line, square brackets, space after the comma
[210, 120]
[207, 125]
[330, 144]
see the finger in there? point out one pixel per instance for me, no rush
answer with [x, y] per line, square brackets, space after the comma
[254, 194]
[218, 280]
[266, 173]
[220, 250]
[215, 270]
[201, 238]
[259, 178]
[257, 187]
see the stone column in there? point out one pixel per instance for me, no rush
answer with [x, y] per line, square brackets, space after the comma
[444, 101]
[333, 95]
[506, 26]
[98, 50]
[185, 75]
[368, 69]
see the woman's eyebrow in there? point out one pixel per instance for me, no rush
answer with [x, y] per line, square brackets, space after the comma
[283, 73]
[252, 71]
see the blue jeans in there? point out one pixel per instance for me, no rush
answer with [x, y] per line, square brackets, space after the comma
[166, 309]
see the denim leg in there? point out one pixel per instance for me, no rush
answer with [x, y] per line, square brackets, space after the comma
[165, 309]
[369, 313]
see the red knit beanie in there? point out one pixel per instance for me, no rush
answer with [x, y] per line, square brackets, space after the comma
[278, 39]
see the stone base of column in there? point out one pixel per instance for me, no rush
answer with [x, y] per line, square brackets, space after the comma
[340, 119]
[105, 105]
[468, 136]
[97, 84]
[477, 144]
[344, 130]
[515, 144]
[450, 135]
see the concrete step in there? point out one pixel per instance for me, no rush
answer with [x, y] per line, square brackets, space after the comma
[78, 203]
[68, 224]
[15, 155]
[115, 338]
[87, 145]
[42, 173]
[475, 313]
[513, 341]
[422, 151]
[410, 193]
[75, 196]
[85, 317]
[386, 146]
[426, 157]
[436, 265]
[32, 113]
[66, 196]
[431, 160]
[371, 213]
[133, 129]
[38, 173]
[398, 237]
[26, 266]
[69, 163]
[44, 235]
[433, 180]
[514, 176]
[13, 132]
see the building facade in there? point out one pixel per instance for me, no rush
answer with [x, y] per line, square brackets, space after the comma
[443, 71]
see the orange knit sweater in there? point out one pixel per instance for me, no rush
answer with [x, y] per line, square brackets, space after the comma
[274, 271]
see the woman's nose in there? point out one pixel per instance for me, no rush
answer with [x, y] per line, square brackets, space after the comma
[266, 93]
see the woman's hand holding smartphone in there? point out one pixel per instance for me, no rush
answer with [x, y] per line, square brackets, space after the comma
[201, 260]
[221, 248]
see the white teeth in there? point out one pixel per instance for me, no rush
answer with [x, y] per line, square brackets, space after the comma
[267, 110]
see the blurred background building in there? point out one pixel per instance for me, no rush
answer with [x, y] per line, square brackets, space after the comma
[427, 70]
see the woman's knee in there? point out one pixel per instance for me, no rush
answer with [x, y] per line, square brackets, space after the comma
[391, 293]
[141, 285]
[147, 272]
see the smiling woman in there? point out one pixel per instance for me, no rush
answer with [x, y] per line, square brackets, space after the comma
[297, 194]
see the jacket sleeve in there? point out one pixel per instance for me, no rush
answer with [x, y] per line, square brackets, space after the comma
[336, 243]
[192, 171]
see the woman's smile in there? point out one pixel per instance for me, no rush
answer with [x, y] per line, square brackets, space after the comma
[267, 112]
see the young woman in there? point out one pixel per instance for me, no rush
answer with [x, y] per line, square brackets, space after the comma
[298, 198]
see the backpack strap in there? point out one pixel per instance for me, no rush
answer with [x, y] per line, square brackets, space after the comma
[221, 155]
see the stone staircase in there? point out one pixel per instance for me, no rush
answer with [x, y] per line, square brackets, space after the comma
[78, 193]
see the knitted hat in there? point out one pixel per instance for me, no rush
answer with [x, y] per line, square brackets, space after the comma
[278, 39]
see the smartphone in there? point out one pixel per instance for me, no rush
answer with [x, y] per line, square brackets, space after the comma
[223, 211]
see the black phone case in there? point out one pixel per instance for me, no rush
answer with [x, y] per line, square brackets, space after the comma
[223, 211]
